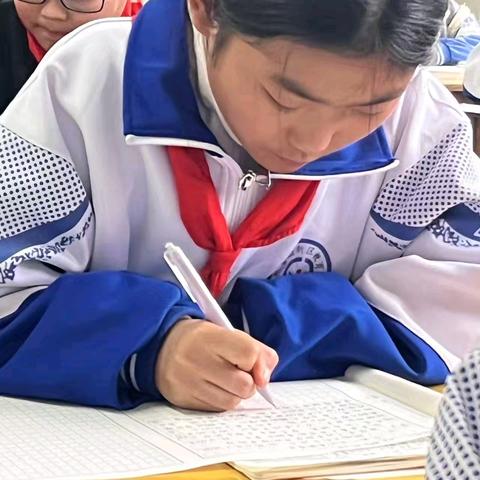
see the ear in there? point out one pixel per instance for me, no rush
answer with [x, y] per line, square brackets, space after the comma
[201, 14]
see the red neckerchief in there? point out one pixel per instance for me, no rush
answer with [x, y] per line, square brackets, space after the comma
[131, 10]
[280, 214]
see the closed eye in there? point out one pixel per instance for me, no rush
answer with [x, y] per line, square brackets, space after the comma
[371, 112]
[278, 104]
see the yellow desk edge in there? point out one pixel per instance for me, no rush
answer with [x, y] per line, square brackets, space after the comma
[224, 472]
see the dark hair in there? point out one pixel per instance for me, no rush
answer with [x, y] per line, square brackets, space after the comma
[403, 30]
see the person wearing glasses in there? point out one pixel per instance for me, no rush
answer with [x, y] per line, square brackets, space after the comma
[29, 28]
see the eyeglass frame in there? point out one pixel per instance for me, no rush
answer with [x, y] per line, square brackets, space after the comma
[65, 6]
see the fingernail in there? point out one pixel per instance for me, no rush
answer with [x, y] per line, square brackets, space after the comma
[266, 375]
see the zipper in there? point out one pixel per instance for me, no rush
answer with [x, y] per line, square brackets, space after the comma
[251, 177]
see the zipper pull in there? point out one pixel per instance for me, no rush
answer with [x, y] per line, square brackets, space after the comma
[251, 177]
[247, 180]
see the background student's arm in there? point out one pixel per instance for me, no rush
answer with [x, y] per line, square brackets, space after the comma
[460, 20]
[460, 36]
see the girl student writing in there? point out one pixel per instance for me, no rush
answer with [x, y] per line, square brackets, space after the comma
[325, 188]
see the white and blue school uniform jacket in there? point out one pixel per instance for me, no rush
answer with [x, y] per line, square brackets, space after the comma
[459, 37]
[385, 270]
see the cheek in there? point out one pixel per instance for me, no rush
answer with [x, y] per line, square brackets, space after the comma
[112, 8]
[27, 14]
[358, 127]
[240, 105]
[362, 126]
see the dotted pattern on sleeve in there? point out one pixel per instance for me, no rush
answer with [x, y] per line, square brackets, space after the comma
[36, 186]
[447, 176]
[455, 449]
[474, 207]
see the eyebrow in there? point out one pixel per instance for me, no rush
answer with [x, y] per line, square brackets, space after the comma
[295, 88]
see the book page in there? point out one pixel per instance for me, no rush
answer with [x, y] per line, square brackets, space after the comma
[45, 441]
[406, 450]
[40, 441]
[318, 417]
[420, 398]
[407, 474]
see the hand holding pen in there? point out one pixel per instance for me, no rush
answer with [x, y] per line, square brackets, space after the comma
[209, 365]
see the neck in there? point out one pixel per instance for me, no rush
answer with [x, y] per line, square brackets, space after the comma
[205, 90]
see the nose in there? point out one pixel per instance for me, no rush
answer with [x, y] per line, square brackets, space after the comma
[311, 140]
[54, 10]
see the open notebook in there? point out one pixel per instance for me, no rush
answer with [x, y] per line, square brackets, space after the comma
[321, 429]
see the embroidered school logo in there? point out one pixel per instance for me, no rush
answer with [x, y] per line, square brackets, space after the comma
[307, 257]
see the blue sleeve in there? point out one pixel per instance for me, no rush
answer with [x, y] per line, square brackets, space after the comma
[71, 341]
[455, 50]
[320, 325]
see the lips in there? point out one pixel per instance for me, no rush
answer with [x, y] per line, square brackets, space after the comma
[50, 34]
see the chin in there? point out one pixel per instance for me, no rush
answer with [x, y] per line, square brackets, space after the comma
[287, 170]
[276, 164]
[283, 166]
[47, 46]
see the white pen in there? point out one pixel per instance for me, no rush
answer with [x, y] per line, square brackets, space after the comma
[196, 289]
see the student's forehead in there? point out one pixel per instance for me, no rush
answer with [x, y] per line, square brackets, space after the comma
[315, 68]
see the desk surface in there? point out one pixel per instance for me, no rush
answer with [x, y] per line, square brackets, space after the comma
[216, 472]
[451, 77]
[224, 472]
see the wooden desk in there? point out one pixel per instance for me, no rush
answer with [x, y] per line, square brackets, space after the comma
[452, 78]
[216, 472]
[224, 472]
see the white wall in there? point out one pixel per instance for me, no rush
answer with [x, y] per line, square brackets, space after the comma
[474, 5]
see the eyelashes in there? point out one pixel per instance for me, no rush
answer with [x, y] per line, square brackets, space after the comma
[277, 104]
[370, 113]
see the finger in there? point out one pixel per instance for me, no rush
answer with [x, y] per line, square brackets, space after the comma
[199, 405]
[271, 358]
[263, 368]
[240, 349]
[261, 374]
[231, 379]
[216, 398]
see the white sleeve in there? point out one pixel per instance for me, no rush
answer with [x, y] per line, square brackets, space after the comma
[47, 225]
[461, 21]
[420, 260]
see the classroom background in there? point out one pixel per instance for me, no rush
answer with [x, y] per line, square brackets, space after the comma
[474, 5]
